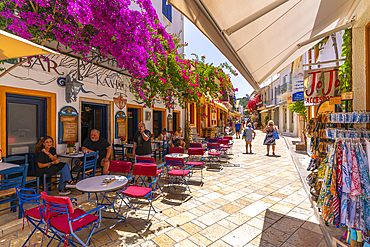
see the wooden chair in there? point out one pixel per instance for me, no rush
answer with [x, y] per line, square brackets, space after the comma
[12, 178]
[21, 159]
[118, 151]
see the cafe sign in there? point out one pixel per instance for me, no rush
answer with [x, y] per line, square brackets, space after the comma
[320, 85]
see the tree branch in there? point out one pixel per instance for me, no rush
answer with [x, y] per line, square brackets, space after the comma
[14, 66]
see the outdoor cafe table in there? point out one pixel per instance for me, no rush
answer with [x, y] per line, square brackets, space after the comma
[101, 185]
[4, 166]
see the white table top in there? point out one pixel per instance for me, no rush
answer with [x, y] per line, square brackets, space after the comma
[4, 165]
[96, 184]
[129, 145]
[157, 141]
[177, 155]
[77, 155]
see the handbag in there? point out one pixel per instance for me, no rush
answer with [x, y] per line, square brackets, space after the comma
[276, 135]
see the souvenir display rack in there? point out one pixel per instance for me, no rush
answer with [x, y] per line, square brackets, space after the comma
[340, 168]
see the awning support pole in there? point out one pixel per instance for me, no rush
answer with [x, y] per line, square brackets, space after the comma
[254, 16]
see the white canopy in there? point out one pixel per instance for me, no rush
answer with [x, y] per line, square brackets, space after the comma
[261, 37]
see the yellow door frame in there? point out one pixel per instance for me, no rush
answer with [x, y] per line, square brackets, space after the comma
[51, 110]
[164, 117]
[141, 114]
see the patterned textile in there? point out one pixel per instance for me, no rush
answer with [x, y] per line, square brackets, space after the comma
[355, 181]
[269, 139]
[365, 184]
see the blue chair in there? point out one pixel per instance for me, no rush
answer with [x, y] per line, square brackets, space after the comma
[70, 220]
[118, 151]
[179, 174]
[21, 159]
[34, 215]
[88, 165]
[164, 149]
[13, 177]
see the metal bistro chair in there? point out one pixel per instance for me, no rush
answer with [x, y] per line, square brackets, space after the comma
[35, 216]
[178, 175]
[135, 194]
[150, 160]
[21, 159]
[118, 151]
[164, 149]
[70, 220]
[88, 166]
[195, 145]
[12, 178]
[214, 154]
[195, 153]
[177, 150]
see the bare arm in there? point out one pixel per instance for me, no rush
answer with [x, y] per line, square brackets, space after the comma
[43, 165]
[52, 157]
[254, 134]
[264, 130]
[85, 149]
[145, 137]
[109, 152]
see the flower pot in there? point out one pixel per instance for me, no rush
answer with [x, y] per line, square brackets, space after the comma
[123, 142]
[71, 149]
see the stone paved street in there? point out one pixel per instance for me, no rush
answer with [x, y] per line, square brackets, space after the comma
[256, 201]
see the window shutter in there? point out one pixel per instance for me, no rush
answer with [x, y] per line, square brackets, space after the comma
[164, 8]
[169, 12]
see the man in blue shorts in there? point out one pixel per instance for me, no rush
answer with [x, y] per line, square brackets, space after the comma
[237, 130]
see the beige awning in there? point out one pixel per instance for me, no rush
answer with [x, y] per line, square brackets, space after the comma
[12, 46]
[262, 37]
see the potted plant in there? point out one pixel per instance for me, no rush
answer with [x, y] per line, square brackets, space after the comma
[123, 140]
[71, 146]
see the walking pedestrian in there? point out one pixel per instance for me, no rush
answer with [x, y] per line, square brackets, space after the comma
[237, 129]
[269, 139]
[248, 132]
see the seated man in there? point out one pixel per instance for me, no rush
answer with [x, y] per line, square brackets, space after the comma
[97, 143]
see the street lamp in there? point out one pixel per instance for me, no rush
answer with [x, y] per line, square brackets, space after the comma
[73, 87]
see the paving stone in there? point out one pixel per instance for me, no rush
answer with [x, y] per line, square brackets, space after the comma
[304, 237]
[241, 236]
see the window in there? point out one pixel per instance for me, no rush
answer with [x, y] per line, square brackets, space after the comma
[167, 10]
[192, 112]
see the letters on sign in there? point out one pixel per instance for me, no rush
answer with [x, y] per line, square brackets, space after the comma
[320, 85]
[335, 100]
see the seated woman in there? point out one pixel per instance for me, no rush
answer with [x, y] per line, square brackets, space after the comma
[177, 140]
[48, 163]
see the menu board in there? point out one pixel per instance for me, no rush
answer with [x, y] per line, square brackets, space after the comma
[68, 125]
[120, 124]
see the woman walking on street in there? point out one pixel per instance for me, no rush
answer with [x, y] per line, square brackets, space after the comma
[248, 137]
[269, 139]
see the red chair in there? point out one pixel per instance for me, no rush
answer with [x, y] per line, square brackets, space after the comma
[230, 138]
[178, 175]
[121, 167]
[193, 154]
[149, 160]
[70, 220]
[177, 150]
[137, 192]
[214, 154]
[225, 145]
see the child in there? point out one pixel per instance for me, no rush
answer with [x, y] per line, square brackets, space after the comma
[248, 137]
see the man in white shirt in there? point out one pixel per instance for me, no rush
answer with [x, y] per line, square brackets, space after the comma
[165, 135]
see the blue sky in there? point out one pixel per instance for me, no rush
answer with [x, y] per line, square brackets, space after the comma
[200, 45]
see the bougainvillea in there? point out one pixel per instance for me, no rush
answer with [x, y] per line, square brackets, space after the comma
[252, 104]
[134, 37]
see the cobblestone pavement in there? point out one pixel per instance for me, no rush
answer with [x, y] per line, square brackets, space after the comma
[257, 200]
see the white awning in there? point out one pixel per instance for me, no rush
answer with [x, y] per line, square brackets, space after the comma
[262, 37]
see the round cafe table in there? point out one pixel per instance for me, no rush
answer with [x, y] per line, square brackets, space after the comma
[101, 185]
[97, 184]
[177, 156]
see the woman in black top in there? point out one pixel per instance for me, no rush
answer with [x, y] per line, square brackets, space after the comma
[48, 163]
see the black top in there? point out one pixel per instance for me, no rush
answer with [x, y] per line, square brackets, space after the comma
[143, 147]
[101, 145]
[43, 158]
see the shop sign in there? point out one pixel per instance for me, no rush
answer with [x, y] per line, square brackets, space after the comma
[347, 95]
[298, 96]
[320, 85]
[289, 100]
[335, 100]
[120, 102]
